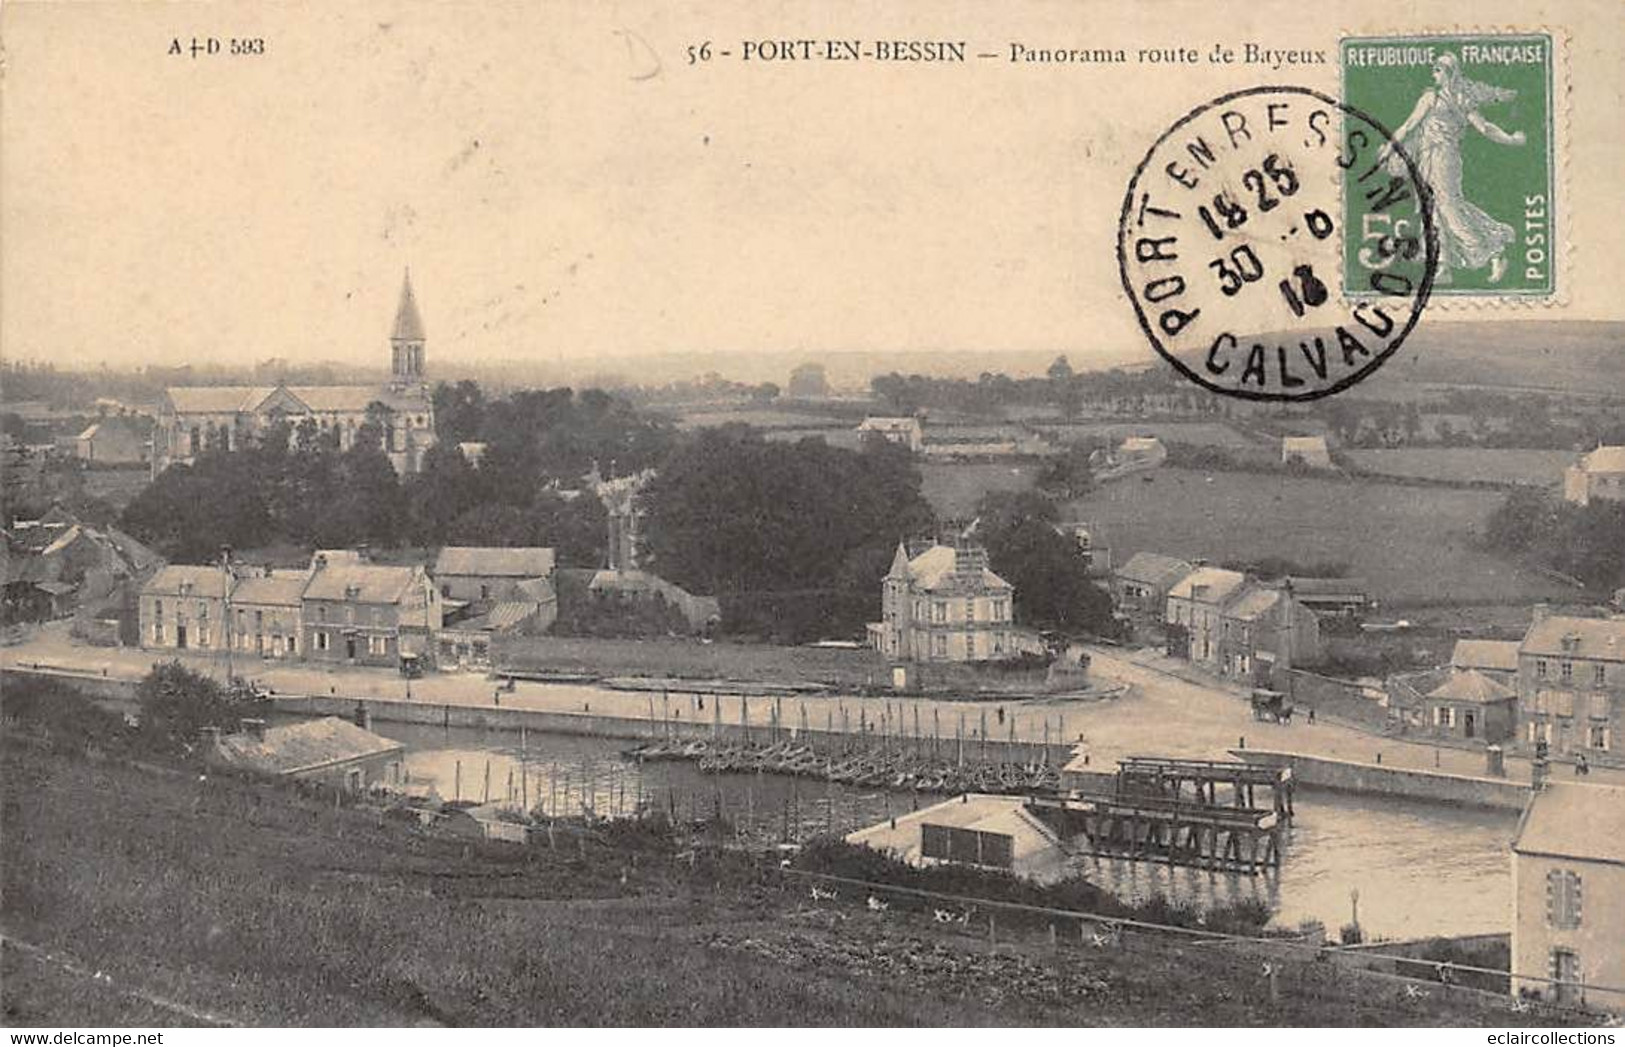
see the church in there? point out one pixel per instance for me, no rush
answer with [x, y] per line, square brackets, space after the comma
[193, 417]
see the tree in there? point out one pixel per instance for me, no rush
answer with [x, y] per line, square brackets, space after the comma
[1047, 569]
[177, 703]
[730, 512]
[1067, 475]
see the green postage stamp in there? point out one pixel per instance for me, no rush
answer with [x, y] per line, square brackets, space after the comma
[1474, 112]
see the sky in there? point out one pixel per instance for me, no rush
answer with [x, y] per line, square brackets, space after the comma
[564, 186]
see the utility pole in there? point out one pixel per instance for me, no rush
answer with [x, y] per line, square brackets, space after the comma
[225, 602]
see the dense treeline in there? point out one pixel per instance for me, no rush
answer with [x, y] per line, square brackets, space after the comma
[793, 537]
[1584, 541]
[295, 486]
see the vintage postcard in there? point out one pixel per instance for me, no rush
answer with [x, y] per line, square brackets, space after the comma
[1049, 513]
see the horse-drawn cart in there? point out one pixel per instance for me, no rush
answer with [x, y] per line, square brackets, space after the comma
[1271, 705]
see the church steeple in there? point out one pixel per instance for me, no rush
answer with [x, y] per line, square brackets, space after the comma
[406, 340]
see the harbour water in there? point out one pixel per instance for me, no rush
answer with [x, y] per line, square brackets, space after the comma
[1419, 868]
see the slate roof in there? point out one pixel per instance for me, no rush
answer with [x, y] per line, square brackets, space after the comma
[292, 748]
[1594, 638]
[1305, 586]
[1252, 603]
[490, 562]
[1574, 821]
[1470, 685]
[503, 615]
[217, 399]
[285, 588]
[1154, 569]
[1220, 582]
[934, 569]
[1496, 655]
[207, 581]
[408, 322]
[370, 583]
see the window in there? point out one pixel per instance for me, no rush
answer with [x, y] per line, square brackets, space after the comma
[1599, 674]
[157, 608]
[1540, 668]
[1600, 738]
[203, 610]
[157, 632]
[485, 592]
[321, 614]
[203, 634]
[1566, 671]
[939, 611]
[349, 615]
[259, 621]
[939, 646]
[321, 640]
[445, 590]
[1444, 716]
[377, 645]
[1562, 899]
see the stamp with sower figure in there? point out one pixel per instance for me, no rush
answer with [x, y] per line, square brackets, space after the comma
[1474, 115]
[1231, 236]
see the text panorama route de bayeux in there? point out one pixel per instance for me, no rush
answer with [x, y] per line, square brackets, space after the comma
[810, 50]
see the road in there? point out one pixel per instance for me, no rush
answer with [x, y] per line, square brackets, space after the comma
[1162, 713]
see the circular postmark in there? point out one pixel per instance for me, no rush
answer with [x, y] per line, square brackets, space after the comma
[1230, 244]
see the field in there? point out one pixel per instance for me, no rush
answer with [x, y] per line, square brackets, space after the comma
[953, 489]
[262, 906]
[1541, 468]
[1205, 434]
[1414, 546]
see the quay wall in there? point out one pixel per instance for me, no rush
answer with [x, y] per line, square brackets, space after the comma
[506, 718]
[1376, 779]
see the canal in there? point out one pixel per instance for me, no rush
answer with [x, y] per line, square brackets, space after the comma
[1418, 868]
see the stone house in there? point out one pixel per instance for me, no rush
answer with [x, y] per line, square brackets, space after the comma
[267, 613]
[478, 573]
[1264, 630]
[183, 607]
[330, 751]
[945, 604]
[906, 432]
[1571, 683]
[1196, 612]
[1140, 587]
[368, 614]
[117, 440]
[1497, 659]
[1568, 885]
[1599, 474]
[1470, 706]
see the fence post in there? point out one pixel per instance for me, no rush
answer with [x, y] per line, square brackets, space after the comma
[992, 932]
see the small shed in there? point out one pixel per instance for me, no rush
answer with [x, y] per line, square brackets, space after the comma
[1470, 705]
[977, 829]
[331, 751]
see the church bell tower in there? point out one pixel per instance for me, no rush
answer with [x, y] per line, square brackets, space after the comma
[406, 341]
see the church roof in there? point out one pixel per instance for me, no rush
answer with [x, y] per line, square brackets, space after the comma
[408, 323]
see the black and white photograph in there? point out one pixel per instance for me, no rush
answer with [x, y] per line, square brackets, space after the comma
[1063, 514]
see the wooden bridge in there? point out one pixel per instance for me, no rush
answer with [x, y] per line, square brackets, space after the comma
[1212, 783]
[1220, 837]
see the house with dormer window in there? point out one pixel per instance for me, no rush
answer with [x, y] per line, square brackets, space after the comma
[361, 613]
[1571, 684]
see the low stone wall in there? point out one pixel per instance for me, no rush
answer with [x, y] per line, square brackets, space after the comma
[1380, 780]
[108, 689]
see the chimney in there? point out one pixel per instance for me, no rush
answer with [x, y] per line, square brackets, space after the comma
[363, 551]
[255, 729]
[320, 561]
[1542, 612]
